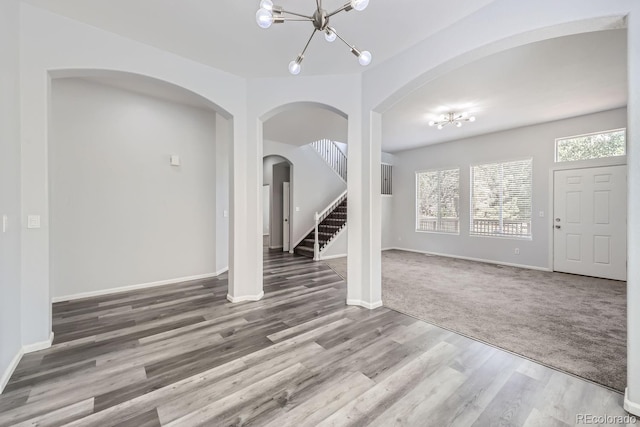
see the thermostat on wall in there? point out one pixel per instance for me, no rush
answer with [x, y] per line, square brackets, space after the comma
[175, 160]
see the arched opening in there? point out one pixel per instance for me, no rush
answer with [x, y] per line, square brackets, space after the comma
[595, 104]
[138, 184]
[309, 140]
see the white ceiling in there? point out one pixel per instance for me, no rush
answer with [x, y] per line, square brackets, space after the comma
[224, 34]
[536, 83]
[304, 125]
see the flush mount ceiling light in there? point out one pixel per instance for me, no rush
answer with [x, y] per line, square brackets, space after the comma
[455, 119]
[270, 14]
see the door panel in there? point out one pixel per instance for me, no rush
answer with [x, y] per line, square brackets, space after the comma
[590, 222]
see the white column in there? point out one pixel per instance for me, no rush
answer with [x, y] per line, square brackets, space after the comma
[245, 230]
[363, 212]
[632, 396]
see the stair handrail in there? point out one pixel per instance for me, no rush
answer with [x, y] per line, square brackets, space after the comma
[319, 217]
[332, 155]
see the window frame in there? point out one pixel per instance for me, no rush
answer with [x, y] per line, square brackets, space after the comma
[471, 205]
[557, 140]
[416, 208]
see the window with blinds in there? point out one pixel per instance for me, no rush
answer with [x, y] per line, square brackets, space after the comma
[387, 179]
[501, 199]
[437, 201]
[592, 146]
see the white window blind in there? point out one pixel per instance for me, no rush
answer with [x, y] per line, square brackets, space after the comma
[592, 146]
[501, 199]
[437, 201]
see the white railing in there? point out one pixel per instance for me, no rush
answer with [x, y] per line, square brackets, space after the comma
[333, 155]
[319, 217]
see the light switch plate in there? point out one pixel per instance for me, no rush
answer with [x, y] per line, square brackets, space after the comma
[33, 221]
[5, 223]
[175, 160]
[297, 208]
[225, 213]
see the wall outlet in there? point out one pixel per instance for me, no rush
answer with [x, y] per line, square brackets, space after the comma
[175, 160]
[541, 214]
[516, 251]
[33, 221]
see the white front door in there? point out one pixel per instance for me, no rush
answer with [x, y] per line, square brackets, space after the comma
[590, 222]
[285, 217]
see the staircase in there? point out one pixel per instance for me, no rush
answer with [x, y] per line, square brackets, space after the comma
[333, 155]
[328, 224]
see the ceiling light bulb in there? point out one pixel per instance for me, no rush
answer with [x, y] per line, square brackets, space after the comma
[472, 119]
[431, 123]
[359, 5]
[464, 115]
[294, 67]
[364, 58]
[267, 5]
[264, 18]
[440, 126]
[330, 36]
[458, 124]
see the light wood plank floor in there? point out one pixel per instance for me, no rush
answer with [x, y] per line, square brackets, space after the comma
[182, 355]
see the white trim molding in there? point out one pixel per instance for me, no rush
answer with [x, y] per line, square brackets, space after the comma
[222, 271]
[370, 306]
[28, 348]
[6, 376]
[37, 346]
[245, 298]
[629, 406]
[486, 261]
[133, 287]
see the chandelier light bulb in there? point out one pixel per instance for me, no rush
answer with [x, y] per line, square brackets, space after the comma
[359, 5]
[440, 127]
[264, 18]
[330, 36]
[364, 58]
[458, 124]
[294, 67]
[431, 123]
[267, 5]
[472, 119]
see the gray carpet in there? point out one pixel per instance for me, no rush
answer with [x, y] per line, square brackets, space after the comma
[573, 323]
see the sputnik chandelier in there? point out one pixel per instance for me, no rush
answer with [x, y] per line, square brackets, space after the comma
[455, 119]
[270, 14]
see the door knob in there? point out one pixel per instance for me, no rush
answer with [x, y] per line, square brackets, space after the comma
[558, 227]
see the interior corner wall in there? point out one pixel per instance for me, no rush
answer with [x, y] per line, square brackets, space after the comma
[120, 214]
[10, 324]
[535, 142]
[223, 147]
[313, 183]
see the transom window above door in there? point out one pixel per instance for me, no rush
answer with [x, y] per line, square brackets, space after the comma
[591, 146]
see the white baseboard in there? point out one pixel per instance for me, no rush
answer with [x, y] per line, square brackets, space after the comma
[370, 306]
[6, 376]
[276, 247]
[28, 348]
[246, 297]
[326, 258]
[629, 406]
[42, 345]
[486, 261]
[132, 287]
[222, 271]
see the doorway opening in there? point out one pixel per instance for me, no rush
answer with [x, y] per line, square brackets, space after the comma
[277, 181]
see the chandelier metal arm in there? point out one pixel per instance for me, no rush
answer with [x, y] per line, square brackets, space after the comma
[282, 19]
[308, 42]
[346, 7]
[333, 30]
[310, 18]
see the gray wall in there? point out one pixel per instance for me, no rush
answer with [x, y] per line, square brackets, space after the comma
[532, 141]
[10, 331]
[120, 214]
